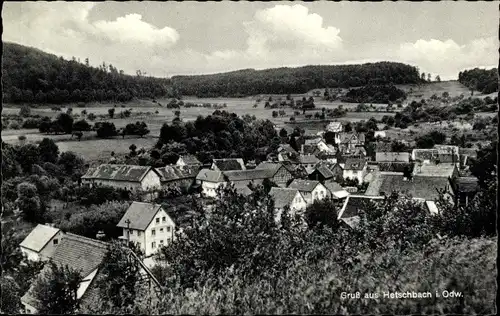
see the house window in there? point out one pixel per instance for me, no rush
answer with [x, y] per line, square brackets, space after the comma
[161, 230]
[55, 241]
[131, 232]
[153, 245]
[153, 232]
[139, 233]
[168, 229]
[158, 220]
[161, 241]
[163, 219]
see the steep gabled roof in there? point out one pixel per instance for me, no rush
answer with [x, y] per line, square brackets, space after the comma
[303, 185]
[285, 148]
[227, 164]
[253, 174]
[140, 215]
[324, 171]
[354, 204]
[308, 159]
[283, 196]
[392, 156]
[190, 160]
[418, 187]
[39, 237]
[210, 176]
[435, 170]
[131, 173]
[172, 173]
[354, 164]
[78, 253]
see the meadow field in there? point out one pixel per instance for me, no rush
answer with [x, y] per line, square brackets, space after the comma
[155, 116]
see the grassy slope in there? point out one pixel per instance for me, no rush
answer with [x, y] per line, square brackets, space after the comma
[467, 266]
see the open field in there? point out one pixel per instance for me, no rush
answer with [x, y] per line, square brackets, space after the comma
[425, 91]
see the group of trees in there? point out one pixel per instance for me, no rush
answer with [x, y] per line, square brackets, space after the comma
[294, 80]
[482, 80]
[220, 135]
[33, 76]
[375, 94]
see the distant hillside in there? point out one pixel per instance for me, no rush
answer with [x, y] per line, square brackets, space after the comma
[31, 75]
[485, 81]
[294, 80]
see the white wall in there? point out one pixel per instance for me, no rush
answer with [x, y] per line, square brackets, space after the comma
[210, 188]
[151, 181]
[352, 174]
[166, 235]
[320, 192]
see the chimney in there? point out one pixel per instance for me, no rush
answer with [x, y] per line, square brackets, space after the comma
[49, 224]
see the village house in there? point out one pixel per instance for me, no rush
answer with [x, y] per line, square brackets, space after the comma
[392, 157]
[334, 127]
[353, 207]
[425, 188]
[311, 190]
[129, 177]
[438, 154]
[279, 173]
[336, 191]
[355, 168]
[41, 242]
[210, 181]
[464, 189]
[286, 153]
[227, 164]
[85, 255]
[287, 198]
[177, 177]
[445, 170]
[308, 161]
[379, 134]
[347, 142]
[321, 173]
[188, 160]
[147, 225]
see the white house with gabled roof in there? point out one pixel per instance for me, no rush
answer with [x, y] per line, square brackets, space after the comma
[148, 225]
[41, 242]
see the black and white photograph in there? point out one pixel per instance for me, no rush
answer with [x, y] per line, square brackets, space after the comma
[249, 158]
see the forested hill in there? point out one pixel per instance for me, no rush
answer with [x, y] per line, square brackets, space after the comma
[485, 81]
[295, 80]
[31, 75]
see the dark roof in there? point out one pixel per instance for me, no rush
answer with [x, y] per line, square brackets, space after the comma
[210, 175]
[324, 171]
[348, 137]
[417, 187]
[39, 237]
[80, 253]
[308, 159]
[273, 167]
[129, 173]
[354, 204]
[171, 173]
[333, 186]
[253, 174]
[227, 164]
[354, 164]
[392, 156]
[309, 149]
[140, 215]
[190, 160]
[465, 184]
[395, 166]
[303, 185]
[435, 170]
[283, 196]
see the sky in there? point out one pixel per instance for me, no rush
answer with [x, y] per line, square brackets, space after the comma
[172, 38]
